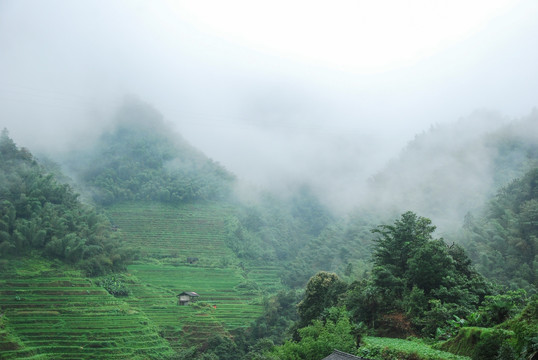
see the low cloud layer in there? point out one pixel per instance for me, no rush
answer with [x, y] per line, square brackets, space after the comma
[271, 112]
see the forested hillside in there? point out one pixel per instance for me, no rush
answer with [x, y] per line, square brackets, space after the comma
[142, 158]
[279, 275]
[40, 215]
[455, 168]
[502, 240]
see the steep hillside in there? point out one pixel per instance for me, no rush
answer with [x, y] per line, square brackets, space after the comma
[503, 239]
[50, 311]
[38, 214]
[453, 169]
[141, 158]
[184, 248]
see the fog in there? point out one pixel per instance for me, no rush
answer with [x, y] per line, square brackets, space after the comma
[318, 92]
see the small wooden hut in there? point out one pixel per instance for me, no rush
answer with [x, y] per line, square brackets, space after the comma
[186, 296]
[340, 355]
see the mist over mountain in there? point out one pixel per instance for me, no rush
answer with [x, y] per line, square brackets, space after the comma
[139, 157]
[452, 169]
[194, 180]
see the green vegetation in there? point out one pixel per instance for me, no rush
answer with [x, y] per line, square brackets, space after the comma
[142, 159]
[39, 214]
[503, 242]
[418, 283]
[477, 343]
[231, 291]
[114, 285]
[376, 348]
[278, 278]
[175, 232]
[320, 338]
[54, 312]
[515, 338]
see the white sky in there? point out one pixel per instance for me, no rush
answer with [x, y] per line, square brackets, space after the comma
[273, 90]
[355, 36]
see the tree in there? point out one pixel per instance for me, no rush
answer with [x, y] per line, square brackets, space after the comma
[503, 241]
[415, 278]
[37, 213]
[320, 338]
[395, 246]
[322, 291]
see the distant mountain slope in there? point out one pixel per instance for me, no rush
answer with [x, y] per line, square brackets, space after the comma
[38, 214]
[141, 158]
[503, 240]
[455, 168]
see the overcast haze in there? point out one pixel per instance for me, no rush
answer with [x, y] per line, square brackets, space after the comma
[273, 90]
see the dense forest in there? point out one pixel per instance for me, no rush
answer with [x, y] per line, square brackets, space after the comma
[41, 216]
[141, 158]
[347, 283]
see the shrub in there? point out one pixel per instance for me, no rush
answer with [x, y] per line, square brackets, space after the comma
[114, 286]
[388, 349]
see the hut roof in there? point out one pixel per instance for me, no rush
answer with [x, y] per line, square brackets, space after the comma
[340, 355]
[190, 293]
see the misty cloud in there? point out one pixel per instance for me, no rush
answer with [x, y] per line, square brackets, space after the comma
[273, 114]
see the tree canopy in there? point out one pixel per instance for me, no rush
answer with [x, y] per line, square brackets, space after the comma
[37, 213]
[415, 279]
[504, 239]
[141, 158]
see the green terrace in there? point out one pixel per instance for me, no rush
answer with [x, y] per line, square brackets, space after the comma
[224, 303]
[67, 317]
[188, 230]
[230, 295]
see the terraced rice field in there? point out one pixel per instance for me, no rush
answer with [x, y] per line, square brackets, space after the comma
[56, 314]
[223, 305]
[266, 276]
[160, 230]
[48, 311]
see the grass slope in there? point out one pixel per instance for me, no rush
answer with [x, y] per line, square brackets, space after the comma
[167, 231]
[231, 291]
[49, 311]
[377, 348]
[55, 313]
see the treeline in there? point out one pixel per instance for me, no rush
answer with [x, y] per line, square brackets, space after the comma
[419, 286]
[300, 234]
[39, 214]
[141, 158]
[455, 168]
[503, 239]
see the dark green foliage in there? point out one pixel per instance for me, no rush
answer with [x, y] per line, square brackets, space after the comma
[496, 309]
[142, 159]
[38, 213]
[479, 343]
[279, 314]
[279, 230]
[343, 247]
[489, 345]
[525, 328]
[222, 347]
[114, 285]
[376, 348]
[322, 291]
[320, 338]
[416, 280]
[515, 338]
[312, 216]
[503, 242]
